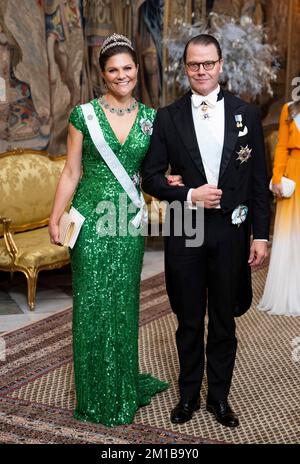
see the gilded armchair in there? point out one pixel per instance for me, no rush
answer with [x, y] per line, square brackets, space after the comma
[28, 180]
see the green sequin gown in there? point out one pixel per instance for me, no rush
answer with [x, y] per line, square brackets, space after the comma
[106, 285]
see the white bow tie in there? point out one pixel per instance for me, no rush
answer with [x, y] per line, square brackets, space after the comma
[197, 100]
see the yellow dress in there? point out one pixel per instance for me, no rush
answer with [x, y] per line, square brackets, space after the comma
[282, 290]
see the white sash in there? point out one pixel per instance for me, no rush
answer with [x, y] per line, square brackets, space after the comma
[114, 164]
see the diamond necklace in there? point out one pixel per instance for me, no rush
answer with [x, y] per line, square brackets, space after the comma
[115, 109]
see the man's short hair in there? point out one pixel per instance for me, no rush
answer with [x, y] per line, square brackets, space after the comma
[203, 39]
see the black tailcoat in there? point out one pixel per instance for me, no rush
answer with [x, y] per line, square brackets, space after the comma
[219, 268]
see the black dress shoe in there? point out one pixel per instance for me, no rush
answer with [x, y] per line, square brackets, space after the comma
[183, 412]
[223, 413]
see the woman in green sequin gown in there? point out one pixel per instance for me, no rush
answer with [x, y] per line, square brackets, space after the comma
[106, 274]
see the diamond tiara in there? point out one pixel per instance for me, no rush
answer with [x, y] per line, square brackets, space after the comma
[115, 40]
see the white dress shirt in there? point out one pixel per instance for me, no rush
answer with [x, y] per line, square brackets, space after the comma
[210, 136]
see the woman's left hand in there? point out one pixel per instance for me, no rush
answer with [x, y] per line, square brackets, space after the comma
[175, 181]
[277, 190]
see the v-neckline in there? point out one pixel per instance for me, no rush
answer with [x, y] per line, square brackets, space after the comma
[111, 129]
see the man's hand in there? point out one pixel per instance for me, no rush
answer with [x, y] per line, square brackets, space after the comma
[209, 194]
[258, 253]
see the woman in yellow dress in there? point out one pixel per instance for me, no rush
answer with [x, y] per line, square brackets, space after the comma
[282, 290]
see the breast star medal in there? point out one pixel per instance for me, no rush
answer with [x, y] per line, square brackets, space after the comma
[244, 154]
[239, 215]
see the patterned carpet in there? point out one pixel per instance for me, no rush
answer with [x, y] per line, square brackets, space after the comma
[37, 391]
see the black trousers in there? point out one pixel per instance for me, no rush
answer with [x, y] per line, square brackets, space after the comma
[200, 278]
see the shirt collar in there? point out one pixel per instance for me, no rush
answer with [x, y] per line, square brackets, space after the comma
[211, 98]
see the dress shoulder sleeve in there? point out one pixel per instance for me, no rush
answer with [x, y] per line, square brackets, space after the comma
[148, 113]
[76, 118]
[152, 113]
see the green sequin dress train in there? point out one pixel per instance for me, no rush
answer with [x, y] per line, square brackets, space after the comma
[106, 283]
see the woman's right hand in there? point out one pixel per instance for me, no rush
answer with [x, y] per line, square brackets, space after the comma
[175, 180]
[53, 230]
[277, 190]
[67, 183]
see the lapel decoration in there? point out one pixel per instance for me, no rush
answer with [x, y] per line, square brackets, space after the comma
[239, 120]
[183, 120]
[244, 154]
[230, 135]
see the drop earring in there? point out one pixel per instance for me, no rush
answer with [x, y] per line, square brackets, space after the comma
[104, 86]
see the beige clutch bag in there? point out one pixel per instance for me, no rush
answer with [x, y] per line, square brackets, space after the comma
[288, 186]
[69, 227]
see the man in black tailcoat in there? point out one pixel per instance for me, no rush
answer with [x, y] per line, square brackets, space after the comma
[214, 140]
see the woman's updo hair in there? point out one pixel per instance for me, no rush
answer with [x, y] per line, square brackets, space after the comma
[113, 45]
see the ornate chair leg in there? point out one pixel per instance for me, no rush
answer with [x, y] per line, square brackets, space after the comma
[31, 276]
